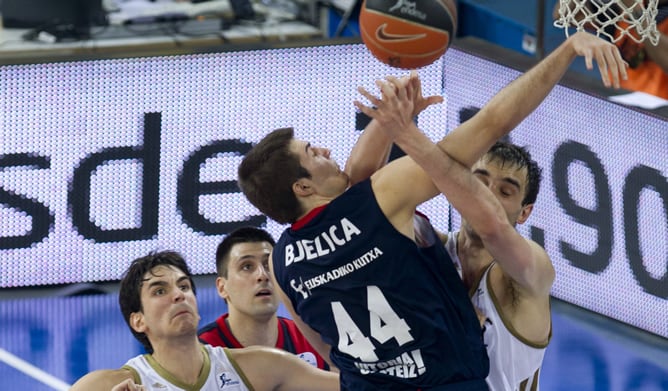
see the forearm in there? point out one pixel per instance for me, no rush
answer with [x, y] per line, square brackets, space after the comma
[311, 335]
[521, 97]
[464, 191]
[423, 151]
[507, 108]
[370, 152]
[480, 208]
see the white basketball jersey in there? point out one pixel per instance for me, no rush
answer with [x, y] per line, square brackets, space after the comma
[219, 373]
[514, 362]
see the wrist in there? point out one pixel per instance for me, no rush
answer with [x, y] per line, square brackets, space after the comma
[569, 46]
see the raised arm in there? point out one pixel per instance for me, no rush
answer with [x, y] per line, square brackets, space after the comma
[371, 152]
[372, 149]
[402, 185]
[526, 262]
[504, 112]
[516, 101]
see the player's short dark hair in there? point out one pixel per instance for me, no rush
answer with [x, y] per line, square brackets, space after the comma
[129, 296]
[267, 173]
[516, 156]
[239, 235]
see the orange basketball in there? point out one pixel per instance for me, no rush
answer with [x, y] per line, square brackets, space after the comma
[408, 34]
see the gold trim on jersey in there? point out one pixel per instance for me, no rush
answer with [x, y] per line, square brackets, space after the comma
[237, 368]
[135, 375]
[534, 382]
[201, 379]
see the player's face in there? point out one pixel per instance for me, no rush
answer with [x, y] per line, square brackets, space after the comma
[248, 289]
[169, 305]
[327, 179]
[508, 184]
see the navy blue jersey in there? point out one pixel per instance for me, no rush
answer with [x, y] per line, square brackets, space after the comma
[396, 315]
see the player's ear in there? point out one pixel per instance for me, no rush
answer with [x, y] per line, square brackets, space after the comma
[137, 322]
[220, 287]
[302, 187]
[524, 213]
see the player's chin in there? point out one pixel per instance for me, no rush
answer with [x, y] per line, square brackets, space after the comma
[266, 309]
[187, 327]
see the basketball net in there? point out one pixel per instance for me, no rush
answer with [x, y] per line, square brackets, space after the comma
[611, 18]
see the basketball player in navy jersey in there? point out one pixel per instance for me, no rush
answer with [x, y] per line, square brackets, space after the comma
[389, 313]
[509, 280]
[242, 262]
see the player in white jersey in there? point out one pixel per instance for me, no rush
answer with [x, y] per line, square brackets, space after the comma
[157, 299]
[218, 373]
[515, 361]
[510, 280]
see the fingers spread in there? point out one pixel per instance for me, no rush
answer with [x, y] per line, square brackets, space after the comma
[374, 101]
[364, 109]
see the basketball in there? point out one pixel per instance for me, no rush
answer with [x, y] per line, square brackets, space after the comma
[408, 34]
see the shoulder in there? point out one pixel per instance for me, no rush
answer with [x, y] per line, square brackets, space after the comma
[271, 368]
[252, 357]
[289, 323]
[102, 379]
[217, 351]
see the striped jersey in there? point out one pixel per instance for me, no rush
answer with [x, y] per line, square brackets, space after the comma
[290, 339]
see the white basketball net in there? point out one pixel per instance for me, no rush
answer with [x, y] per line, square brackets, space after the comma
[611, 18]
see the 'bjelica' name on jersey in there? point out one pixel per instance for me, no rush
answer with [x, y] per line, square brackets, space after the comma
[326, 242]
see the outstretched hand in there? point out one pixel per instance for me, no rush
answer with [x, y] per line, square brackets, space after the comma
[394, 108]
[611, 65]
[421, 102]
